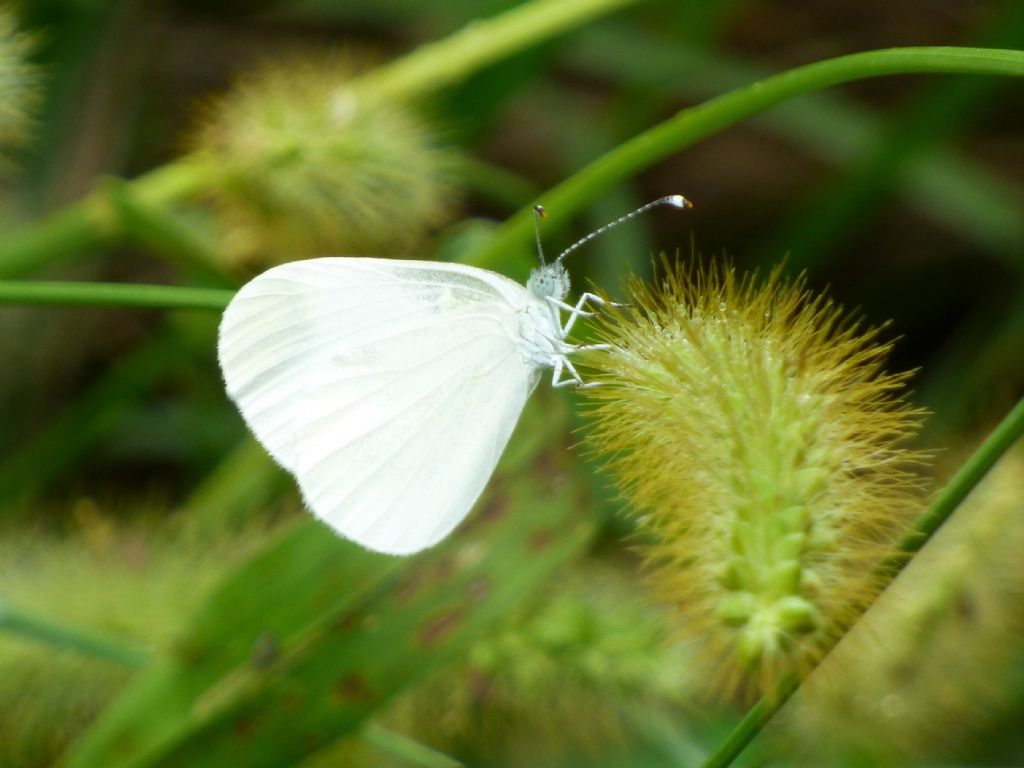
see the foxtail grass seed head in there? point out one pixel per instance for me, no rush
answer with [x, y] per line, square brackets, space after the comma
[19, 86]
[134, 582]
[754, 434]
[305, 164]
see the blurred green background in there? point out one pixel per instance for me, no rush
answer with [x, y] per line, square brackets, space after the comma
[145, 542]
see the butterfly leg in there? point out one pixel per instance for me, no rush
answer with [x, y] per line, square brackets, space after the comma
[578, 310]
[576, 378]
[556, 374]
[563, 365]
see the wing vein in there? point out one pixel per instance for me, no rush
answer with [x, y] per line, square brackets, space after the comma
[255, 410]
[411, 476]
[407, 407]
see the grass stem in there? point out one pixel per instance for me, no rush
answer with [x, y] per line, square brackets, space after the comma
[36, 629]
[694, 123]
[1009, 430]
[113, 295]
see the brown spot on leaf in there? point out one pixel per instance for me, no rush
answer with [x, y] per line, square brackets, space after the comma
[246, 726]
[437, 628]
[407, 589]
[348, 623]
[314, 742]
[543, 466]
[540, 540]
[352, 688]
[478, 590]
[265, 650]
[495, 508]
[441, 569]
[480, 685]
[965, 606]
[190, 651]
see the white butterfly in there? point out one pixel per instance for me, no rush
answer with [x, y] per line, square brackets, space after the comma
[390, 388]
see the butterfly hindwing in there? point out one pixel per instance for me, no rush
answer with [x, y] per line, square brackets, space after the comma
[395, 458]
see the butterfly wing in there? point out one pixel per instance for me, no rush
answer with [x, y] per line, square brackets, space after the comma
[388, 388]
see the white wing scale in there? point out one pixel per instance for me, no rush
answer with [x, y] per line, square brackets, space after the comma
[389, 388]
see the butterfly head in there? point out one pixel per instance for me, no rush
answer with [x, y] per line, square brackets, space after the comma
[549, 280]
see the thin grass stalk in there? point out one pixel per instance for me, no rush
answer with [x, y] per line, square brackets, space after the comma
[113, 295]
[692, 124]
[1009, 430]
[36, 629]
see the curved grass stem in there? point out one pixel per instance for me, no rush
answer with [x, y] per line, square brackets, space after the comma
[1009, 430]
[443, 63]
[692, 124]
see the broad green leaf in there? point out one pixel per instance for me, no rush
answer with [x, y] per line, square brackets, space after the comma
[307, 640]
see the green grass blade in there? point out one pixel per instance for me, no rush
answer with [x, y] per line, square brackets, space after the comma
[182, 242]
[37, 629]
[93, 416]
[245, 479]
[945, 108]
[411, 751]
[305, 642]
[481, 42]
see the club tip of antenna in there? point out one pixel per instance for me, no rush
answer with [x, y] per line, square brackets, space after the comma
[539, 210]
[679, 201]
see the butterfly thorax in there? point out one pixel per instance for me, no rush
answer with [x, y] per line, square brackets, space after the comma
[549, 280]
[539, 333]
[539, 321]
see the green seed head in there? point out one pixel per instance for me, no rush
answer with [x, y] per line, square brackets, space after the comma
[559, 680]
[305, 164]
[754, 433]
[19, 86]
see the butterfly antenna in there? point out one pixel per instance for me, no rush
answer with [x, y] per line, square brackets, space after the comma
[676, 201]
[538, 214]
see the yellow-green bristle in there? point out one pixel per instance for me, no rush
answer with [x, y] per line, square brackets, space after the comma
[754, 433]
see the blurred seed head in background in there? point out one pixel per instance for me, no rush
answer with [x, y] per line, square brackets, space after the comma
[19, 87]
[303, 164]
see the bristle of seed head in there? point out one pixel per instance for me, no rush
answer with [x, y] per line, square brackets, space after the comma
[756, 437]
